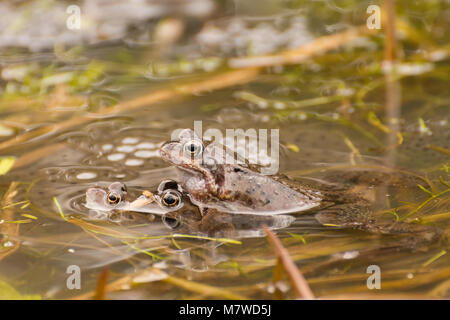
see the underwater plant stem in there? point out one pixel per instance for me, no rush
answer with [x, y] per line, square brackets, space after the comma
[8, 230]
[424, 203]
[101, 285]
[389, 31]
[299, 283]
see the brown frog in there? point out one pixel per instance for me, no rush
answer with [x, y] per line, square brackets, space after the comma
[213, 182]
[177, 212]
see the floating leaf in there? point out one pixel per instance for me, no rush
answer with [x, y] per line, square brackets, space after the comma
[6, 164]
[293, 147]
[423, 127]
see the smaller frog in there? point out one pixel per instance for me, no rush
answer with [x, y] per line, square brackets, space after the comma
[113, 198]
[116, 198]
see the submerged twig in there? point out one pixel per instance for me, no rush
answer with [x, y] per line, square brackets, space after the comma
[405, 283]
[35, 155]
[439, 149]
[275, 104]
[302, 53]
[434, 196]
[8, 230]
[389, 31]
[159, 275]
[101, 285]
[299, 283]
[434, 258]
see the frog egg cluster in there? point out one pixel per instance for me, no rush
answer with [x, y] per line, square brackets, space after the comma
[132, 151]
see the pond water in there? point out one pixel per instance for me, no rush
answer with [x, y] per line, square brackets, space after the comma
[76, 116]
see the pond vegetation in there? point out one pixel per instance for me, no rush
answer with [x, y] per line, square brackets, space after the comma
[344, 97]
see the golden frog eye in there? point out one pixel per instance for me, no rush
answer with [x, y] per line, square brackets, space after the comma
[171, 198]
[113, 198]
[193, 147]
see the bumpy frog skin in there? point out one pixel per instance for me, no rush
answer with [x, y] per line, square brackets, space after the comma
[212, 183]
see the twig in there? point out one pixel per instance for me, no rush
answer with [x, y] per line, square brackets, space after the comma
[302, 53]
[8, 230]
[101, 285]
[299, 283]
[206, 290]
[389, 30]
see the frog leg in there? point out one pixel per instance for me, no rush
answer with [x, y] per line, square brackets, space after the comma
[360, 217]
[345, 216]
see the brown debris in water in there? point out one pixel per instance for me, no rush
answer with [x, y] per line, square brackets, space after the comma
[299, 283]
[8, 230]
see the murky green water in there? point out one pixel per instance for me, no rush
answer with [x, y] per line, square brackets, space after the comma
[89, 116]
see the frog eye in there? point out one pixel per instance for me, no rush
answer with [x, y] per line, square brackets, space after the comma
[113, 198]
[171, 222]
[171, 198]
[193, 147]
